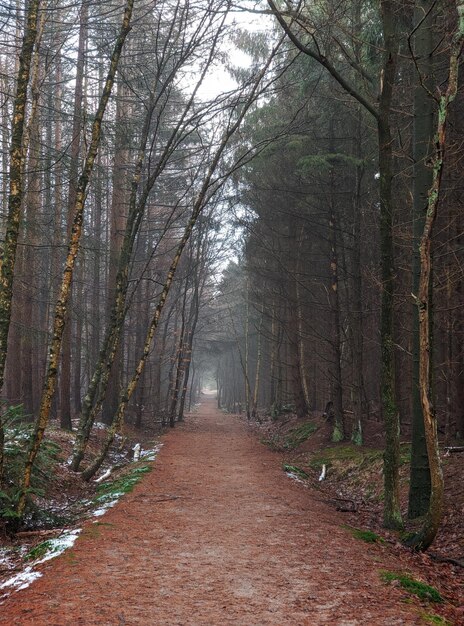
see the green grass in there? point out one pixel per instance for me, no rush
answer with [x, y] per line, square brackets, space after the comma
[345, 454]
[430, 618]
[116, 488]
[293, 469]
[413, 586]
[299, 435]
[292, 439]
[365, 535]
[38, 551]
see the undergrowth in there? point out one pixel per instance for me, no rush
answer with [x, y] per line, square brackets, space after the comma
[124, 484]
[413, 586]
[365, 535]
[18, 433]
[431, 618]
[345, 454]
[292, 439]
[293, 469]
[39, 550]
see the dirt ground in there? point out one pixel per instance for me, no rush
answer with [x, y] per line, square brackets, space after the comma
[215, 534]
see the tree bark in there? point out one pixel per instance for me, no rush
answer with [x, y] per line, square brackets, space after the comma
[15, 197]
[74, 243]
[117, 228]
[419, 482]
[74, 153]
[392, 513]
[427, 534]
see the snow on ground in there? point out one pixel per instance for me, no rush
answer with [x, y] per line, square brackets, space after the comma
[56, 546]
[59, 544]
[295, 477]
[150, 455]
[22, 580]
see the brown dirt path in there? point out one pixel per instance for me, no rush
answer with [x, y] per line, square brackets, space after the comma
[216, 534]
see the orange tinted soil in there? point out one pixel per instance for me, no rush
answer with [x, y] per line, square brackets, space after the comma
[215, 534]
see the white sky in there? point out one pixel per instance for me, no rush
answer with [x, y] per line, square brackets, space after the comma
[219, 80]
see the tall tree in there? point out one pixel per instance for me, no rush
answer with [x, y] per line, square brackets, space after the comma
[15, 197]
[74, 243]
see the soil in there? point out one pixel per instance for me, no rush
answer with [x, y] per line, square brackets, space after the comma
[217, 534]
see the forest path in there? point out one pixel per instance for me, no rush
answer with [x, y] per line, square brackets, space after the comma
[215, 534]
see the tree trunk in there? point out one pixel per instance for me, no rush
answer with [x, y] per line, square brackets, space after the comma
[419, 483]
[338, 433]
[74, 153]
[428, 532]
[254, 406]
[74, 243]
[15, 197]
[357, 291]
[117, 227]
[178, 362]
[391, 513]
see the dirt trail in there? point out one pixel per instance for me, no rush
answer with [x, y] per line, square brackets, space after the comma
[216, 534]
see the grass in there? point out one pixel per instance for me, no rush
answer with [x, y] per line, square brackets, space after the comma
[38, 551]
[116, 488]
[94, 531]
[294, 469]
[430, 618]
[365, 535]
[292, 439]
[299, 435]
[348, 453]
[413, 586]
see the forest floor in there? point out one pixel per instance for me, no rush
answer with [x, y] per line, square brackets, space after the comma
[218, 534]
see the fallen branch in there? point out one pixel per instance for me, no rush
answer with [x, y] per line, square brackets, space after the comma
[444, 559]
[39, 533]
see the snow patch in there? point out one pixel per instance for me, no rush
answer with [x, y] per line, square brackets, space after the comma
[59, 544]
[22, 580]
[55, 547]
[103, 509]
[150, 455]
[295, 477]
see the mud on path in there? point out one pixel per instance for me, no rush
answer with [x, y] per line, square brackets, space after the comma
[215, 534]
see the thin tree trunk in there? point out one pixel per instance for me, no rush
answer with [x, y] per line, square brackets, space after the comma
[357, 307]
[299, 314]
[178, 364]
[74, 243]
[74, 152]
[117, 228]
[15, 197]
[338, 433]
[427, 534]
[419, 482]
[254, 407]
[391, 513]
[247, 351]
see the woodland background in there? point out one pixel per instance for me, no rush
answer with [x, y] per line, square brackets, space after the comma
[270, 230]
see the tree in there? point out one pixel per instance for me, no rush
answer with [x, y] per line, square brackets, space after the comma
[65, 290]
[423, 539]
[15, 197]
[381, 114]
